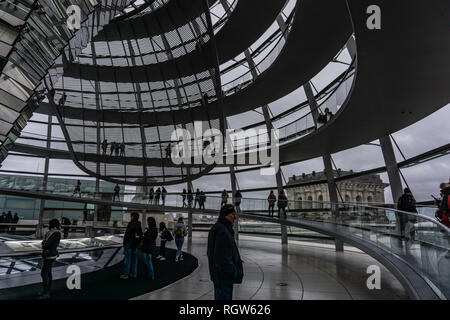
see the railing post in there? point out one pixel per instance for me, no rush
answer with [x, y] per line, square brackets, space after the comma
[233, 191]
[190, 215]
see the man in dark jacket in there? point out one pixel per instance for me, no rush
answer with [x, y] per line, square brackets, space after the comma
[407, 203]
[49, 255]
[131, 241]
[225, 264]
[282, 204]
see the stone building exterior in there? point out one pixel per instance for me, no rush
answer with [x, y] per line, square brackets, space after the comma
[365, 189]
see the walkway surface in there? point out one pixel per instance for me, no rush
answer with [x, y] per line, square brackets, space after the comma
[300, 271]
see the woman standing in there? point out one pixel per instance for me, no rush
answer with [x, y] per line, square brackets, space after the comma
[165, 236]
[49, 254]
[179, 233]
[149, 246]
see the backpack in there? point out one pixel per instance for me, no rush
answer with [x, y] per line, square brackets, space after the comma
[445, 219]
[168, 235]
[178, 233]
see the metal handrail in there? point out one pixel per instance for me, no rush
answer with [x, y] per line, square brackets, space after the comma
[330, 204]
[62, 251]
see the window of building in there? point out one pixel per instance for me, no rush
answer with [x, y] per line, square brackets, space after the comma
[309, 204]
[320, 204]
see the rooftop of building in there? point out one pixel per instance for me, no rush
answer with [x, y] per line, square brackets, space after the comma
[319, 176]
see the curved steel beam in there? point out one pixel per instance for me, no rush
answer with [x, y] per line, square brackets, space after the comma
[261, 13]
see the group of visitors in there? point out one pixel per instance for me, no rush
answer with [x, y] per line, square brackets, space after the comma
[116, 148]
[77, 190]
[200, 198]
[134, 238]
[282, 203]
[8, 218]
[237, 199]
[407, 203]
[154, 196]
[225, 264]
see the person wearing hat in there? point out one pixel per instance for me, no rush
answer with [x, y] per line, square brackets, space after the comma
[225, 264]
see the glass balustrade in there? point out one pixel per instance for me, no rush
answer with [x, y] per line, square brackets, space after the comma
[419, 240]
[333, 99]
